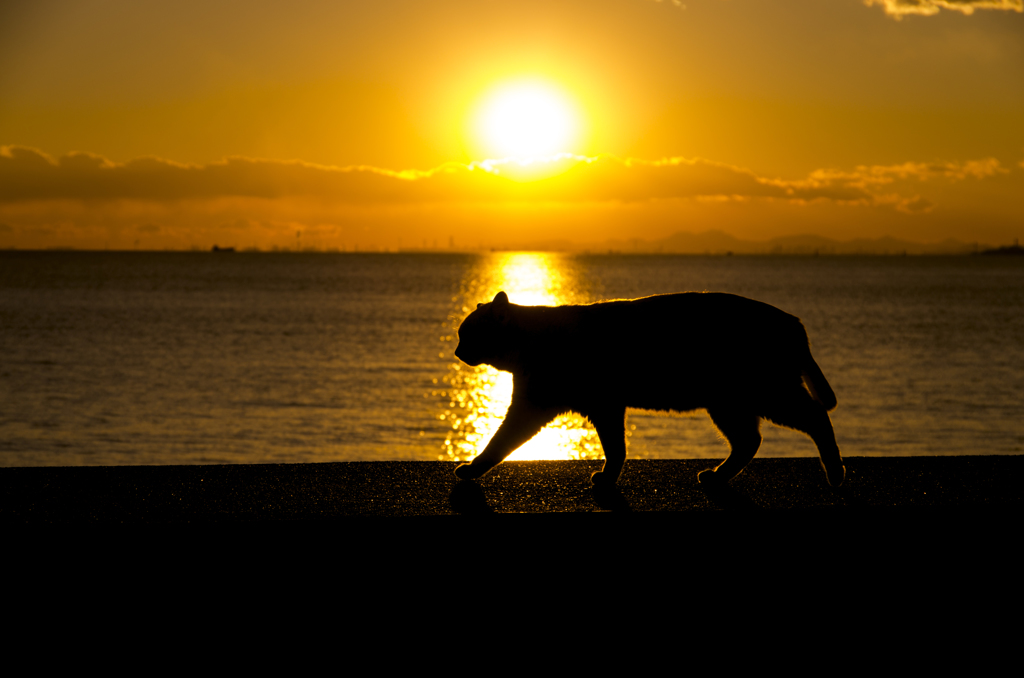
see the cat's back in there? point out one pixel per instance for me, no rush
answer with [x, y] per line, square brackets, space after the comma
[705, 316]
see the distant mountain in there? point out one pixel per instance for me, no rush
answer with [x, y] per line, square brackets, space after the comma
[718, 242]
[1014, 250]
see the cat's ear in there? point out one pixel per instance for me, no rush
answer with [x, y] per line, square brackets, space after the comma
[502, 309]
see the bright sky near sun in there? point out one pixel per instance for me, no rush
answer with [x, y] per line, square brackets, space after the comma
[397, 122]
[526, 120]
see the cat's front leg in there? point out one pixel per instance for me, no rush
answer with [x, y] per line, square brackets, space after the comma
[522, 422]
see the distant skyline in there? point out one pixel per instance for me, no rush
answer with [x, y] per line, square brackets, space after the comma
[178, 125]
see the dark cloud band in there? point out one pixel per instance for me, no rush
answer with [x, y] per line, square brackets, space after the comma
[27, 174]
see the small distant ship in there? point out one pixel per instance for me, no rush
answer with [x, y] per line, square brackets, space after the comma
[222, 249]
[1014, 250]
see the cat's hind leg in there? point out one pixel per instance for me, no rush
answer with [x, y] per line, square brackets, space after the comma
[741, 429]
[611, 429]
[799, 411]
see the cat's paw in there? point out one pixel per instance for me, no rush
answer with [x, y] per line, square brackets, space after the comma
[467, 472]
[835, 475]
[602, 479]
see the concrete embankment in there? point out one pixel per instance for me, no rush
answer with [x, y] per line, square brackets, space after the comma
[931, 528]
[350, 490]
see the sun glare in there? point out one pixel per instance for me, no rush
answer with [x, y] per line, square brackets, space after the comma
[526, 120]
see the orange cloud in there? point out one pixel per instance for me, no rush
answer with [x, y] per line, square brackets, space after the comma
[867, 177]
[900, 8]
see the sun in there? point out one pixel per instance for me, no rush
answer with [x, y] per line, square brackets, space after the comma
[526, 119]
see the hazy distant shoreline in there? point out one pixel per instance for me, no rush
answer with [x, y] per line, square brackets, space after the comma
[705, 243]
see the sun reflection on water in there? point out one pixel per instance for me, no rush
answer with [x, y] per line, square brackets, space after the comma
[478, 397]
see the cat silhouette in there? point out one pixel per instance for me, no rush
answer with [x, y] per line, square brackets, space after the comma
[739, 359]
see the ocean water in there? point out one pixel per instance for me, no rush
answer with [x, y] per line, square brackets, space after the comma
[188, 358]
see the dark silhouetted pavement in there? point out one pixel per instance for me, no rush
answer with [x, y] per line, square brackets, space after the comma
[911, 533]
[345, 491]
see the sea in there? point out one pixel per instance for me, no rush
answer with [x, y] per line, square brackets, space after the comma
[156, 358]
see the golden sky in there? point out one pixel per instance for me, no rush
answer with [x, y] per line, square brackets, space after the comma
[178, 124]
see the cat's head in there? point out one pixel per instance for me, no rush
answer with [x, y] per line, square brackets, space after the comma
[485, 336]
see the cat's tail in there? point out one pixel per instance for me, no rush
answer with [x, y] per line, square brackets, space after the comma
[817, 384]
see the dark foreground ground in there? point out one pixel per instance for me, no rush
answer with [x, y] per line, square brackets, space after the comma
[926, 537]
[541, 492]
